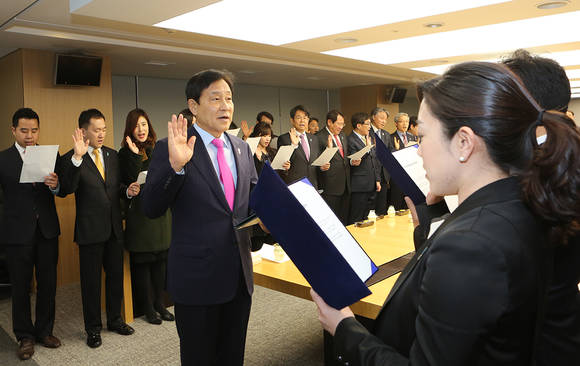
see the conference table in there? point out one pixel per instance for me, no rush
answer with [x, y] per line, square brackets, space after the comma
[389, 238]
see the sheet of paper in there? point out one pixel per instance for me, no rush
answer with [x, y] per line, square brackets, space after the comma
[413, 165]
[267, 252]
[37, 163]
[142, 177]
[283, 155]
[333, 228]
[234, 132]
[325, 157]
[359, 154]
[253, 142]
[252, 222]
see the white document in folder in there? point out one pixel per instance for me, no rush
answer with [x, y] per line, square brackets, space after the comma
[413, 165]
[38, 162]
[325, 157]
[338, 235]
[283, 155]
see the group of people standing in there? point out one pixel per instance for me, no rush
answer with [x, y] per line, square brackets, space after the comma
[102, 181]
[350, 187]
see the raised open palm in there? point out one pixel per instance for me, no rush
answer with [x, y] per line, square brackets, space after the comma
[180, 148]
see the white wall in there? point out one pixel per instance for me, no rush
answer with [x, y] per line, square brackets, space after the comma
[162, 97]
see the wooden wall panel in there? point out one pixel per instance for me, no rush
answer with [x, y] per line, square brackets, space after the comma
[11, 94]
[364, 99]
[58, 108]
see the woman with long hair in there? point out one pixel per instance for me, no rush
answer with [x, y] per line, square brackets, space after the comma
[146, 239]
[473, 294]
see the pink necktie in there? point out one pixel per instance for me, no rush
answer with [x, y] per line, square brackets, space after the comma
[405, 138]
[225, 173]
[305, 146]
[337, 139]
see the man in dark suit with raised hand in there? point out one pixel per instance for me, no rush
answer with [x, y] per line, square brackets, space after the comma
[205, 176]
[335, 182]
[364, 178]
[307, 149]
[92, 173]
[378, 120]
[400, 139]
[29, 230]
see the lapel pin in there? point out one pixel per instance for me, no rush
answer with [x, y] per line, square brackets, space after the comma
[239, 152]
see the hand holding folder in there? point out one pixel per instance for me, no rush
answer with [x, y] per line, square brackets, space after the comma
[322, 249]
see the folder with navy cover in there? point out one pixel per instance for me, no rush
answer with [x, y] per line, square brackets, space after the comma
[338, 280]
[398, 173]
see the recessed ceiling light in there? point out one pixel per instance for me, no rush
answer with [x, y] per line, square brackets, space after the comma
[346, 40]
[314, 78]
[488, 39]
[249, 72]
[159, 63]
[546, 5]
[433, 25]
[276, 30]
[439, 61]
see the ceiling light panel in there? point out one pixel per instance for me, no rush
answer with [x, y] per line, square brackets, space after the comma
[496, 38]
[278, 22]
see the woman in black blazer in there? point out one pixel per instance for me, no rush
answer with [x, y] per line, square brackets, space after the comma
[146, 239]
[471, 294]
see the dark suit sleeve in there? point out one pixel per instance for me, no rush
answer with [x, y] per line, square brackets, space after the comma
[449, 328]
[426, 214]
[163, 183]
[70, 174]
[58, 169]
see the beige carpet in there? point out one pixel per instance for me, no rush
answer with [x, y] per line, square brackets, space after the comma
[283, 330]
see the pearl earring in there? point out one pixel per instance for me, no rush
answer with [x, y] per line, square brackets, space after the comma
[461, 159]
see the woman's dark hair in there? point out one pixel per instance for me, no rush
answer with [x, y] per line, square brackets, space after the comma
[261, 129]
[131, 124]
[493, 102]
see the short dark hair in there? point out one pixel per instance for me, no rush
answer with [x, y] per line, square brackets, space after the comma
[413, 121]
[85, 117]
[203, 79]
[333, 115]
[299, 107]
[314, 119]
[358, 119]
[378, 110]
[264, 114]
[545, 79]
[186, 113]
[25, 113]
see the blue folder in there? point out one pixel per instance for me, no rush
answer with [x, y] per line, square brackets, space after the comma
[308, 247]
[398, 174]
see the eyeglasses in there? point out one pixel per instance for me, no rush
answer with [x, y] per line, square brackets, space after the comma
[301, 118]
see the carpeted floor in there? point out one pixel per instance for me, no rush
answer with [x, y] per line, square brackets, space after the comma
[283, 330]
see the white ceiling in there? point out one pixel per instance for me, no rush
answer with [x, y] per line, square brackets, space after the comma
[124, 31]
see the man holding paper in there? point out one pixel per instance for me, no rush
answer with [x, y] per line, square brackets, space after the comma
[306, 149]
[30, 231]
[364, 178]
[336, 180]
[400, 139]
[205, 176]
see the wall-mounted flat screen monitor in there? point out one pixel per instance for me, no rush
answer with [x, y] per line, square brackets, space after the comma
[78, 70]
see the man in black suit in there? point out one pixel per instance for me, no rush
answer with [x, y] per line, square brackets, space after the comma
[364, 178]
[335, 182]
[92, 173]
[307, 149]
[205, 175]
[378, 120]
[399, 140]
[30, 230]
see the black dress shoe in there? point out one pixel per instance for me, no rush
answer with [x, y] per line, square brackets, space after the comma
[153, 318]
[94, 340]
[121, 328]
[166, 315]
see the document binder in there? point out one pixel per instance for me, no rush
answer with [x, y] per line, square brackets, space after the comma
[307, 245]
[398, 174]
